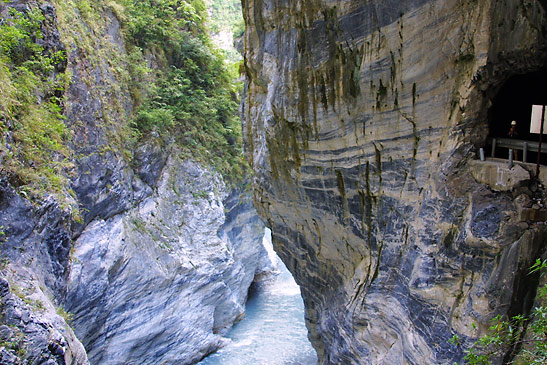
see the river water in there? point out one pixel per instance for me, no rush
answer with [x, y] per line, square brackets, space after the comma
[273, 331]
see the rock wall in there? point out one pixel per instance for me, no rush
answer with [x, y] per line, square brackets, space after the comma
[156, 283]
[155, 268]
[361, 118]
[35, 245]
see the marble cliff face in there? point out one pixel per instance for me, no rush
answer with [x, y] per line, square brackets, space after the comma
[362, 119]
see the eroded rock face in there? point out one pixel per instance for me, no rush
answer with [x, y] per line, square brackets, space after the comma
[360, 120]
[157, 284]
[35, 245]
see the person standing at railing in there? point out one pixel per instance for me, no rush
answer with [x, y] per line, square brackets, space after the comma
[513, 133]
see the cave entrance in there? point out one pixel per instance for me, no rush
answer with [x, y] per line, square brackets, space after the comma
[514, 103]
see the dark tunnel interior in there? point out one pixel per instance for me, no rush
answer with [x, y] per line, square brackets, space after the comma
[514, 102]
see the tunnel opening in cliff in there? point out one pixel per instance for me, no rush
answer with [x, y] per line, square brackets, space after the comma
[513, 102]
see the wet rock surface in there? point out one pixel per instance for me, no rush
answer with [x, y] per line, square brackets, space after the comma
[360, 123]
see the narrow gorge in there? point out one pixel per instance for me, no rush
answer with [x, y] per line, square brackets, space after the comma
[138, 176]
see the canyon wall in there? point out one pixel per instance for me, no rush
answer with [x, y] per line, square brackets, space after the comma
[157, 283]
[361, 121]
[147, 256]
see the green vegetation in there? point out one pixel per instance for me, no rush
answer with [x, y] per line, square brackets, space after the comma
[525, 337]
[67, 316]
[226, 17]
[163, 25]
[192, 98]
[15, 344]
[140, 224]
[200, 194]
[182, 88]
[24, 295]
[33, 150]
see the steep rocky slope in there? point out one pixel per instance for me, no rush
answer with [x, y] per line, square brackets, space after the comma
[361, 119]
[140, 253]
[35, 264]
[157, 283]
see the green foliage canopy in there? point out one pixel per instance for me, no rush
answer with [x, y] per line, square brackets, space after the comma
[33, 151]
[180, 84]
[193, 97]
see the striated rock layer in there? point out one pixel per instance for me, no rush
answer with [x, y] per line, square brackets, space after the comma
[35, 245]
[361, 118]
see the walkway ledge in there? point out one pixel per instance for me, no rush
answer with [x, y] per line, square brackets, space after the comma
[497, 174]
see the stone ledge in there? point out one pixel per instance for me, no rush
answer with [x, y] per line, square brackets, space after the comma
[496, 174]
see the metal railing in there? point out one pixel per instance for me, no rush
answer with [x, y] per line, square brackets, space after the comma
[516, 144]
